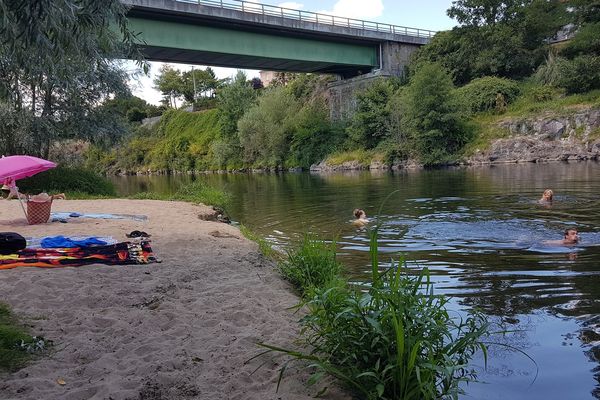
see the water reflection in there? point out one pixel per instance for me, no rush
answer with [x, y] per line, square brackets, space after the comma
[482, 234]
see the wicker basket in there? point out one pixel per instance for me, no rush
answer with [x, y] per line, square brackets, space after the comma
[38, 212]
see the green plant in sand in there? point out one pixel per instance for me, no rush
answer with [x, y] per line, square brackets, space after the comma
[16, 346]
[395, 340]
[312, 265]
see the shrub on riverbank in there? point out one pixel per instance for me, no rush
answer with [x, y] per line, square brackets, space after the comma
[312, 265]
[395, 340]
[16, 346]
[75, 181]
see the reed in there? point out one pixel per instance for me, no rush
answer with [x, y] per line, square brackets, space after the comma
[312, 265]
[394, 340]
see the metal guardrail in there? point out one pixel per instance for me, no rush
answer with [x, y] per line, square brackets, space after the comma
[309, 16]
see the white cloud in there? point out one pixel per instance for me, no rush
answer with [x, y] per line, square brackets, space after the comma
[291, 4]
[361, 9]
[142, 85]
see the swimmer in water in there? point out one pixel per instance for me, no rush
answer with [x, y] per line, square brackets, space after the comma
[361, 217]
[546, 197]
[571, 238]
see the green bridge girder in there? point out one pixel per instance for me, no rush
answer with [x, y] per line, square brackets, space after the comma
[174, 41]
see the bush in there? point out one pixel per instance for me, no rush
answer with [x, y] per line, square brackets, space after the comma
[433, 119]
[481, 94]
[586, 41]
[313, 265]
[136, 115]
[540, 94]
[369, 123]
[265, 130]
[69, 180]
[580, 75]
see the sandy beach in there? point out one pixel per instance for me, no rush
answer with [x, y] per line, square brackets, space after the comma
[180, 329]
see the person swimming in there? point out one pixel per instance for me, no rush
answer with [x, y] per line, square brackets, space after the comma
[361, 217]
[570, 238]
[546, 197]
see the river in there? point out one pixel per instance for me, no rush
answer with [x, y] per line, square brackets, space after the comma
[481, 233]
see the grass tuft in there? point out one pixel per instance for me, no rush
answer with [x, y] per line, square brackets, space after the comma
[16, 346]
[312, 265]
[196, 192]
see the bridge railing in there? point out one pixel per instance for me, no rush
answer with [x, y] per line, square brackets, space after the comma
[309, 16]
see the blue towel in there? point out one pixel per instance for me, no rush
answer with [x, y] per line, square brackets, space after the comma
[61, 241]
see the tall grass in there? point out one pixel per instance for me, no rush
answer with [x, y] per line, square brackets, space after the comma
[195, 192]
[16, 346]
[395, 340]
[312, 265]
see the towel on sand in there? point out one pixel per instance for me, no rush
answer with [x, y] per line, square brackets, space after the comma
[123, 253]
[61, 241]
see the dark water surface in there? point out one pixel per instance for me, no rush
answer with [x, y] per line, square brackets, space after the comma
[481, 233]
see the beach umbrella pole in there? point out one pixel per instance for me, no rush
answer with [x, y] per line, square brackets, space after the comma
[21, 203]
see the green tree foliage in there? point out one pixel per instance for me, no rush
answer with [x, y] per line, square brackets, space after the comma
[586, 41]
[170, 84]
[506, 39]
[483, 12]
[432, 115]
[266, 129]
[314, 136]
[234, 99]
[56, 68]
[136, 115]
[205, 81]
[580, 75]
[369, 123]
[122, 106]
[481, 94]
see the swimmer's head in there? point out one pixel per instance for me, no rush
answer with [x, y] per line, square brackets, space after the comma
[571, 236]
[547, 195]
[359, 213]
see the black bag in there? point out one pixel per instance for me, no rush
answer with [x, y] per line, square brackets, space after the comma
[11, 242]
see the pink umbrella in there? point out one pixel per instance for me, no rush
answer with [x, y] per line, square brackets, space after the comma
[19, 167]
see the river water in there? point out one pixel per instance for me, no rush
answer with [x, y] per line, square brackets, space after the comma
[481, 233]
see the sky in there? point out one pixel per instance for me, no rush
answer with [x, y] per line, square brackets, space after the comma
[426, 14]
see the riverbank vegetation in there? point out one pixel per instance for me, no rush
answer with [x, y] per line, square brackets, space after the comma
[503, 59]
[415, 349]
[16, 345]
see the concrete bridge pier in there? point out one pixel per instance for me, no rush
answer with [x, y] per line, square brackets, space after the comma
[393, 60]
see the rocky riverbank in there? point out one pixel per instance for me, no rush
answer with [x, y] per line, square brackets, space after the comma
[572, 136]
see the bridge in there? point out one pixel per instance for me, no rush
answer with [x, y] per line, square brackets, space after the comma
[243, 34]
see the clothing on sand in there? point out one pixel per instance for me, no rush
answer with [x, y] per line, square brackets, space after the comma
[123, 253]
[61, 241]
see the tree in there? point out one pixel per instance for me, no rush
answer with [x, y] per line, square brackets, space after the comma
[369, 122]
[234, 99]
[484, 12]
[56, 68]
[266, 128]
[198, 83]
[502, 38]
[169, 82]
[432, 115]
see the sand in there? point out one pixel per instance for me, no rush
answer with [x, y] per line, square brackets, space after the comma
[181, 329]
